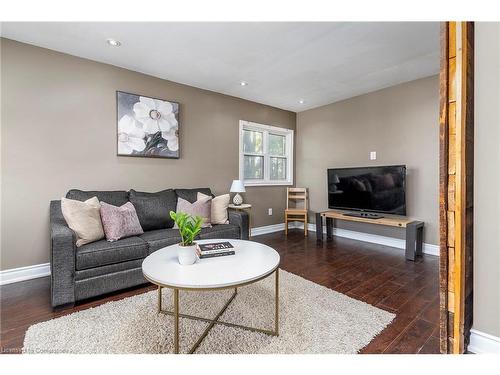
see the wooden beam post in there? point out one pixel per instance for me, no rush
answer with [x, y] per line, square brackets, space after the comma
[443, 188]
[456, 184]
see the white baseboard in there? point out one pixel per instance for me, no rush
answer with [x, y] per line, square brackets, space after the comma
[15, 275]
[359, 236]
[481, 342]
[257, 231]
[373, 238]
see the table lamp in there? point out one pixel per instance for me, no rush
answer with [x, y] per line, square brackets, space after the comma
[237, 187]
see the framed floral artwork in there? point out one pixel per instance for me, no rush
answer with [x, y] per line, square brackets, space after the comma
[147, 127]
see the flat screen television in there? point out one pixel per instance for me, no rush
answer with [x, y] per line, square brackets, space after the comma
[372, 189]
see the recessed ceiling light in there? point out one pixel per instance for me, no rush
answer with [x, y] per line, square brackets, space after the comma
[243, 83]
[301, 101]
[113, 42]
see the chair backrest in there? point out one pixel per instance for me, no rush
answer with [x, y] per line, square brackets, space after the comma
[297, 195]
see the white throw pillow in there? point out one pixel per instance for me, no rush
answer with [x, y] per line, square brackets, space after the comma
[219, 208]
[84, 219]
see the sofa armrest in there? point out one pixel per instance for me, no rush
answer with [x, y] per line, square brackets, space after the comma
[62, 257]
[241, 219]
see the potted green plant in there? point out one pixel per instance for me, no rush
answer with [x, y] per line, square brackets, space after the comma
[189, 228]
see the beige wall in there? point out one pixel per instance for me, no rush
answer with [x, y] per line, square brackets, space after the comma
[59, 132]
[487, 179]
[400, 123]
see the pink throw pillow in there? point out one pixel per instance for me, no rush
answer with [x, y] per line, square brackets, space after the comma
[202, 207]
[120, 222]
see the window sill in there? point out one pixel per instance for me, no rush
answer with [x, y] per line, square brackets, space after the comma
[269, 183]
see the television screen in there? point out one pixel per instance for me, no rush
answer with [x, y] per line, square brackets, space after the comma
[374, 189]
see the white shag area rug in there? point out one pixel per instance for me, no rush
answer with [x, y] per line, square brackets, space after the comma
[313, 319]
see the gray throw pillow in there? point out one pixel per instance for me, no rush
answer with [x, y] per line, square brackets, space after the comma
[153, 209]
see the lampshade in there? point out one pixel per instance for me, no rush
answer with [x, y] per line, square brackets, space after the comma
[237, 187]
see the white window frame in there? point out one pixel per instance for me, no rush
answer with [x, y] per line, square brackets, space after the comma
[266, 130]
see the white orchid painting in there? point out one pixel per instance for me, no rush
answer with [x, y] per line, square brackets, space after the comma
[147, 127]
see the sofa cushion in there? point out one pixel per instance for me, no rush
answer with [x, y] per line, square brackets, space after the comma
[116, 198]
[96, 286]
[101, 253]
[108, 269]
[156, 239]
[191, 195]
[154, 209]
[220, 231]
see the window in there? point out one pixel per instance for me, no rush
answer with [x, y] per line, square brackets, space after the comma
[266, 154]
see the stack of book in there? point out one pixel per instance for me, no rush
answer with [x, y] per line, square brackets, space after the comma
[214, 249]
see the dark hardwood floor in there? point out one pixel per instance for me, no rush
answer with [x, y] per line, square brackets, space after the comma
[376, 274]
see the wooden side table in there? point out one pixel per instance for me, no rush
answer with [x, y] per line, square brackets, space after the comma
[248, 208]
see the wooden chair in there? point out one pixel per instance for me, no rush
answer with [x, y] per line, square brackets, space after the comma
[296, 214]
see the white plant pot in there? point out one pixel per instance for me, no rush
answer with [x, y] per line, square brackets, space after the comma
[187, 254]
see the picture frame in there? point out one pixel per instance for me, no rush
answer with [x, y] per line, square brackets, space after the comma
[147, 126]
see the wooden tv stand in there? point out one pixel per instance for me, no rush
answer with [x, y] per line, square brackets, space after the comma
[414, 228]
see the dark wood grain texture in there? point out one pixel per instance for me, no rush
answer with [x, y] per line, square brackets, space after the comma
[376, 274]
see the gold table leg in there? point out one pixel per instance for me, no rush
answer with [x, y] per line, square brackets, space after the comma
[249, 224]
[176, 321]
[276, 302]
[211, 325]
[176, 314]
[159, 298]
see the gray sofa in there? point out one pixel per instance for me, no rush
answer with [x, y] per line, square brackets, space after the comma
[101, 267]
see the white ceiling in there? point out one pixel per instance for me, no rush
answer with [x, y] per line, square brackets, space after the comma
[282, 62]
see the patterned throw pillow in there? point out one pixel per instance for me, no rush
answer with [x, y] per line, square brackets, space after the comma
[120, 222]
[202, 207]
[219, 208]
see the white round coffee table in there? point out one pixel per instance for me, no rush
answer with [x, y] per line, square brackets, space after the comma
[251, 262]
